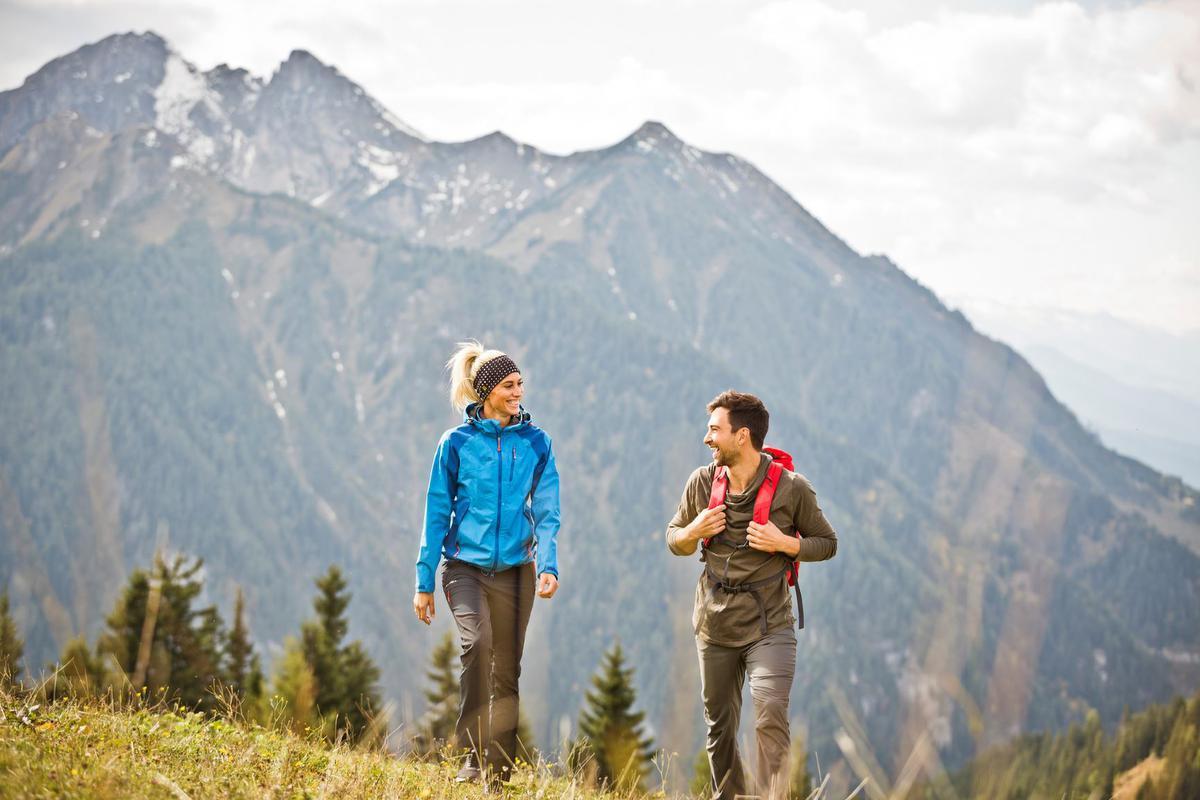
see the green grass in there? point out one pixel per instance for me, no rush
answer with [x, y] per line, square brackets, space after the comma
[90, 749]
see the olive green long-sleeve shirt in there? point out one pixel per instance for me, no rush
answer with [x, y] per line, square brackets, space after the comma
[733, 620]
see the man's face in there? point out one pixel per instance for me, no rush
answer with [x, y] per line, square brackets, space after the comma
[721, 439]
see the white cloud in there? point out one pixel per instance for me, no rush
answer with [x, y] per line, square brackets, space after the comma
[1047, 155]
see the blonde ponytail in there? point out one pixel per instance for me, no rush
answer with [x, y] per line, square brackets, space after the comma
[464, 366]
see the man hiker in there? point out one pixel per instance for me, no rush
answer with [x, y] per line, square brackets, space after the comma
[743, 614]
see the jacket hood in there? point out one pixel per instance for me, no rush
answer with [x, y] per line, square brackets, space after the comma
[472, 416]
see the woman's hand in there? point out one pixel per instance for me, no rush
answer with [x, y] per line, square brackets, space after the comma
[547, 585]
[423, 606]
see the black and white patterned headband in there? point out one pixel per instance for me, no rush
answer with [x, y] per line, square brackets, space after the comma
[491, 373]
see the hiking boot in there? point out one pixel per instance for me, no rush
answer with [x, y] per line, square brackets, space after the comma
[470, 772]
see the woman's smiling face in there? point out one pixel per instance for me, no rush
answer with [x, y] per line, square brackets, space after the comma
[505, 400]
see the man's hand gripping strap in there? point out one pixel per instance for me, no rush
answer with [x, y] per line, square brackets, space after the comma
[720, 486]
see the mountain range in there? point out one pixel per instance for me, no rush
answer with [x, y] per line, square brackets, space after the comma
[1137, 387]
[225, 303]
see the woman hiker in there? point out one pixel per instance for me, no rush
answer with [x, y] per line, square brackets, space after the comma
[492, 512]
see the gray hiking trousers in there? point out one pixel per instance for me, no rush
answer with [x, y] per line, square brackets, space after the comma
[771, 664]
[492, 613]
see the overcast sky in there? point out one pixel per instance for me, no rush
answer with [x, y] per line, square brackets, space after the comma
[1020, 154]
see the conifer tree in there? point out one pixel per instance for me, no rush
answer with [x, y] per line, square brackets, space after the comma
[436, 727]
[611, 731]
[238, 649]
[1126, 754]
[345, 677]
[296, 687]
[361, 700]
[1181, 777]
[161, 642]
[11, 646]
[243, 670]
[322, 637]
[1108, 777]
[79, 672]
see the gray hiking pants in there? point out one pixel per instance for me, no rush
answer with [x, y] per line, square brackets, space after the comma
[492, 613]
[771, 664]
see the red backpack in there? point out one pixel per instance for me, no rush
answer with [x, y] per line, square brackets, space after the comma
[780, 460]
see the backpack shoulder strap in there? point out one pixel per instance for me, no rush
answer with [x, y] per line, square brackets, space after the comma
[716, 495]
[766, 493]
[762, 511]
[720, 486]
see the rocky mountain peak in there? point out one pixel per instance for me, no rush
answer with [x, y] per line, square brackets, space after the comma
[303, 65]
[126, 47]
[137, 80]
[110, 83]
[305, 84]
[654, 129]
[652, 135]
[123, 59]
[655, 140]
[303, 73]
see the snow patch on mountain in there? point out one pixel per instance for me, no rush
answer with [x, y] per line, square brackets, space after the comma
[182, 89]
[384, 166]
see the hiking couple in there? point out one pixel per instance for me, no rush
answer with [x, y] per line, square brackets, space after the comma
[492, 512]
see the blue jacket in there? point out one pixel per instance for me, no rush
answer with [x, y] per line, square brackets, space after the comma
[492, 500]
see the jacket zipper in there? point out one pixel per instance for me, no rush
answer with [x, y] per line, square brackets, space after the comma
[499, 499]
[512, 464]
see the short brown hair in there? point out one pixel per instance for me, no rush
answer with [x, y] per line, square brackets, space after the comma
[745, 411]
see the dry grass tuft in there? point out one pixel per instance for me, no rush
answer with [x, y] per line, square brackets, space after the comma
[136, 747]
